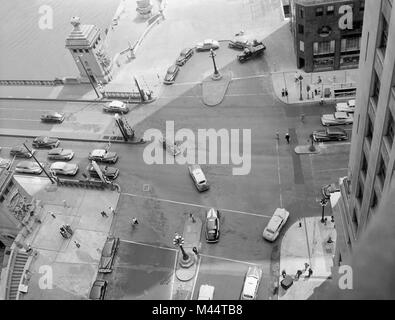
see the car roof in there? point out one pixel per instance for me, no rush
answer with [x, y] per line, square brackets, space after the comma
[341, 115]
[98, 152]
[342, 104]
[206, 291]
[208, 41]
[199, 175]
[186, 50]
[55, 151]
[250, 286]
[351, 103]
[58, 165]
[116, 103]
[335, 130]
[27, 164]
[274, 222]
[212, 213]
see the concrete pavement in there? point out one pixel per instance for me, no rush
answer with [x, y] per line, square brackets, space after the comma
[73, 269]
[307, 244]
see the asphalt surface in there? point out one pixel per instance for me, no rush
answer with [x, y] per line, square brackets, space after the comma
[162, 196]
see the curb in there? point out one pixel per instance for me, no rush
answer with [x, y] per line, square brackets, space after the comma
[305, 150]
[79, 101]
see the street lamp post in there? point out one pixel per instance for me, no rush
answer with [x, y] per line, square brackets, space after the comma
[300, 78]
[179, 241]
[89, 78]
[216, 74]
[323, 204]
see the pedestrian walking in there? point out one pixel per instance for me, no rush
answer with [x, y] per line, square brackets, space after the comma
[77, 244]
[134, 221]
[64, 203]
[306, 265]
[332, 219]
[302, 117]
[315, 91]
[52, 214]
[310, 272]
[111, 210]
[298, 274]
[283, 92]
[192, 217]
[29, 249]
[104, 214]
[300, 223]
[286, 92]
[287, 137]
[321, 101]
[195, 250]
[283, 273]
[329, 240]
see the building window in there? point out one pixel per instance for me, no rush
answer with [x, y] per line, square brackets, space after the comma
[324, 47]
[390, 129]
[369, 130]
[301, 46]
[384, 34]
[350, 44]
[374, 201]
[376, 88]
[74, 50]
[330, 10]
[364, 164]
[362, 6]
[301, 13]
[301, 28]
[381, 171]
[80, 50]
[319, 12]
[360, 192]
[86, 51]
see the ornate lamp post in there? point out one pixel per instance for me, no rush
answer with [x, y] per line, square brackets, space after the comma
[179, 241]
[300, 78]
[89, 78]
[216, 74]
[323, 204]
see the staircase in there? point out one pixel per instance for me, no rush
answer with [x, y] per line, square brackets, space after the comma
[16, 274]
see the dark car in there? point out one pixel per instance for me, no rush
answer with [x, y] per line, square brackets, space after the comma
[239, 43]
[45, 142]
[171, 74]
[52, 117]
[330, 134]
[98, 290]
[102, 155]
[184, 56]
[109, 172]
[108, 254]
[212, 225]
[21, 152]
[251, 52]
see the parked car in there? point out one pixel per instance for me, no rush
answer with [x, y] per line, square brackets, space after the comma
[108, 254]
[98, 290]
[276, 222]
[251, 283]
[206, 292]
[184, 56]
[102, 155]
[64, 168]
[45, 142]
[116, 107]
[109, 172]
[171, 74]
[21, 152]
[52, 117]
[348, 106]
[239, 43]
[330, 134]
[28, 167]
[60, 154]
[337, 118]
[4, 163]
[212, 225]
[198, 177]
[251, 52]
[207, 45]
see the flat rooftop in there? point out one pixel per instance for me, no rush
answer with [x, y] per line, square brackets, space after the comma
[318, 2]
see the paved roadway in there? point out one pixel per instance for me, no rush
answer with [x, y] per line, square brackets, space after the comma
[161, 196]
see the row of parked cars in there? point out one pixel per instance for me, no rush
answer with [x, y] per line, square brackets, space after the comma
[62, 156]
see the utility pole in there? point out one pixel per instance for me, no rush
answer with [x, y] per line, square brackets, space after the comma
[47, 174]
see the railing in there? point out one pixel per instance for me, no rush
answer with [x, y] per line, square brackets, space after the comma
[31, 82]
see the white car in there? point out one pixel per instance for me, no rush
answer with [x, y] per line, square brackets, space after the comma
[198, 177]
[207, 45]
[102, 155]
[251, 283]
[337, 118]
[277, 221]
[60, 154]
[4, 163]
[348, 106]
[64, 168]
[206, 292]
[28, 167]
[116, 106]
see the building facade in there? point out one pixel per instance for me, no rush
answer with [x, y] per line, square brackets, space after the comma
[327, 33]
[372, 155]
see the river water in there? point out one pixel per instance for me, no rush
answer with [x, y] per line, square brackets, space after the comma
[29, 52]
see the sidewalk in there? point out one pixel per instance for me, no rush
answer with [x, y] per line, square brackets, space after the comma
[306, 244]
[184, 280]
[73, 269]
[213, 91]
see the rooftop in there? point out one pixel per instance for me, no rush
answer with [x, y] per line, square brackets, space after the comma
[318, 2]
